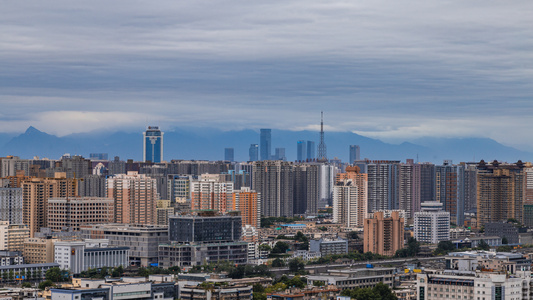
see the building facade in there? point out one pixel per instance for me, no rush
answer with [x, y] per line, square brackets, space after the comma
[383, 235]
[432, 224]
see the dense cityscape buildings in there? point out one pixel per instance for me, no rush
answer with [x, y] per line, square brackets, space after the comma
[79, 214]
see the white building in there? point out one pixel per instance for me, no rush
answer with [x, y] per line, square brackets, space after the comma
[79, 256]
[482, 286]
[432, 224]
[348, 208]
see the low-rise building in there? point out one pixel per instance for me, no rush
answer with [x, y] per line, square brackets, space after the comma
[329, 246]
[39, 250]
[188, 255]
[222, 292]
[355, 278]
[8, 258]
[142, 240]
[79, 256]
[309, 293]
[25, 272]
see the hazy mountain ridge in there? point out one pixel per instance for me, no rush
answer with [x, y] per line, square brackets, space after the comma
[207, 143]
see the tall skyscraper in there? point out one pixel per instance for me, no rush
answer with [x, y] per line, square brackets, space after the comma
[322, 150]
[229, 154]
[274, 181]
[449, 186]
[354, 153]
[306, 188]
[383, 185]
[500, 192]
[280, 154]
[253, 152]
[135, 198]
[265, 144]
[11, 205]
[153, 144]
[310, 150]
[301, 154]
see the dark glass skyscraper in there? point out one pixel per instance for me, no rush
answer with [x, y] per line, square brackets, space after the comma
[229, 154]
[301, 154]
[265, 144]
[153, 144]
[354, 153]
[253, 152]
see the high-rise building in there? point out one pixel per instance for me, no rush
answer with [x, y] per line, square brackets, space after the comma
[76, 166]
[280, 154]
[449, 190]
[135, 198]
[301, 154]
[179, 187]
[354, 153]
[311, 150]
[248, 202]
[350, 198]
[306, 189]
[35, 195]
[409, 187]
[98, 156]
[253, 152]
[11, 205]
[72, 212]
[500, 192]
[432, 224]
[92, 186]
[383, 235]
[229, 154]
[383, 185]
[265, 144]
[210, 192]
[153, 144]
[274, 180]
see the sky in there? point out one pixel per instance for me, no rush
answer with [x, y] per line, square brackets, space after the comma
[393, 70]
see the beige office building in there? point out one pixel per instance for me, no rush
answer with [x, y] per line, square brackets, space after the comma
[73, 212]
[383, 235]
[350, 198]
[38, 250]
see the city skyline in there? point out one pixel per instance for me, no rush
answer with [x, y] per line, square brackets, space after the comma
[395, 71]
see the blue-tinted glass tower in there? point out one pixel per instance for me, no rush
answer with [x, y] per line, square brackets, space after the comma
[153, 144]
[254, 152]
[301, 151]
[354, 153]
[265, 144]
[310, 150]
[229, 154]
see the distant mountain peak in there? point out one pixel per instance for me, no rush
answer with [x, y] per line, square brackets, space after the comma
[32, 130]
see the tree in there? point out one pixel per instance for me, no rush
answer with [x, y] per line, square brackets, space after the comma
[265, 247]
[54, 274]
[296, 265]
[444, 247]
[505, 248]
[297, 281]
[280, 247]
[26, 285]
[278, 263]
[319, 283]
[353, 235]
[258, 288]
[483, 245]
[384, 292]
[505, 241]
[47, 283]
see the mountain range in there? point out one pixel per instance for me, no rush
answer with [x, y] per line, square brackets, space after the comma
[209, 144]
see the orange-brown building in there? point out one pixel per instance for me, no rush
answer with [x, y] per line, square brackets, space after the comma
[211, 192]
[382, 235]
[73, 212]
[35, 195]
[135, 197]
[248, 202]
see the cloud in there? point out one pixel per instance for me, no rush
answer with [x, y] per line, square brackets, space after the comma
[393, 70]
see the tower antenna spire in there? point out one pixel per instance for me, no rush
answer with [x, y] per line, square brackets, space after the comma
[322, 150]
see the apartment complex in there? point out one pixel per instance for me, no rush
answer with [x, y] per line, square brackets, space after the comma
[72, 212]
[383, 235]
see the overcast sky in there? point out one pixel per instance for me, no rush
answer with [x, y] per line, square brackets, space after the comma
[395, 70]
